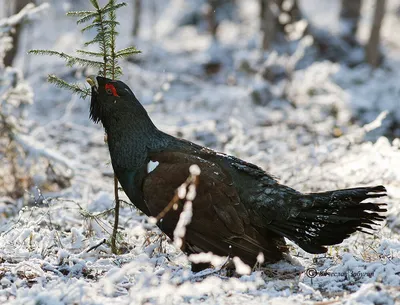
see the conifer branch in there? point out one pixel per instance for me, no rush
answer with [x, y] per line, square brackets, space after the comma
[101, 29]
[75, 88]
[113, 34]
[89, 53]
[51, 53]
[104, 20]
[127, 52]
[112, 8]
[99, 11]
[87, 18]
[71, 60]
[113, 71]
[79, 13]
[96, 24]
[95, 4]
[84, 62]
[98, 39]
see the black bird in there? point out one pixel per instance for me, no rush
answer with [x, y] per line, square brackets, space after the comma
[239, 210]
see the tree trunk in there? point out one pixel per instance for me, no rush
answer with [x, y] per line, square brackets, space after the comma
[373, 56]
[137, 10]
[268, 24]
[263, 4]
[350, 16]
[211, 18]
[15, 33]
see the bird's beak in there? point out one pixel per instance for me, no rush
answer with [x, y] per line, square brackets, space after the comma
[93, 82]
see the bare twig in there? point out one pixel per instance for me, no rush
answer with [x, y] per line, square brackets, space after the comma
[116, 218]
[191, 179]
[164, 212]
[96, 246]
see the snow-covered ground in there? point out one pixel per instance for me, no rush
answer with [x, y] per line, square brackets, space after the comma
[320, 140]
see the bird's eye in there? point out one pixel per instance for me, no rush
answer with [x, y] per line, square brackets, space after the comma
[110, 89]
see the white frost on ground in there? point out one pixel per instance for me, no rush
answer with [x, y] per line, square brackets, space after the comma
[44, 257]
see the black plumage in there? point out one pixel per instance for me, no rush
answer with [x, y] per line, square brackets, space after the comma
[239, 210]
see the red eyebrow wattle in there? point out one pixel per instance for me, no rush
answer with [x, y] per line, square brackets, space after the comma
[112, 88]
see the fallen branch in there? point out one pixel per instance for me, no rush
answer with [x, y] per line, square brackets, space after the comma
[96, 246]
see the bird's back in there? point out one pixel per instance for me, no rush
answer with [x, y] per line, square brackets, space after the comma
[221, 223]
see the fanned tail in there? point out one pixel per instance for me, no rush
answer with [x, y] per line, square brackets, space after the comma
[328, 218]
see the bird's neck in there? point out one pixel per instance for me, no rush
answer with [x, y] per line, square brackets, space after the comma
[130, 142]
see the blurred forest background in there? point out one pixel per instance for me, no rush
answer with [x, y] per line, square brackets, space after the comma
[258, 44]
[277, 19]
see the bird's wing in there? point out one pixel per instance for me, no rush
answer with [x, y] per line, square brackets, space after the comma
[220, 222]
[263, 197]
[312, 221]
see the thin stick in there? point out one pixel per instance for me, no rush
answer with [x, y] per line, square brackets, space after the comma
[191, 179]
[96, 246]
[113, 62]
[164, 212]
[116, 218]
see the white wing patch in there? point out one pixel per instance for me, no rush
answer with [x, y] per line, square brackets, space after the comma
[152, 166]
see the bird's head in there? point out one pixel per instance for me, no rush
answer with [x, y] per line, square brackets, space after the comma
[111, 98]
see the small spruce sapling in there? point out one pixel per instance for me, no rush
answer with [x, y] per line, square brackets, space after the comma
[103, 19]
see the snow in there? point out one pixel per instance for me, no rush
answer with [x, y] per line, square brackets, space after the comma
[241, 268]
[184, 220]
[207, 258]
[194, 170]
[370, 294]
[330, 127]
[28, 12]
[152, 166]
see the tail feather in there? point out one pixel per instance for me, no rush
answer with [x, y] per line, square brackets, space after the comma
[328, 218]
